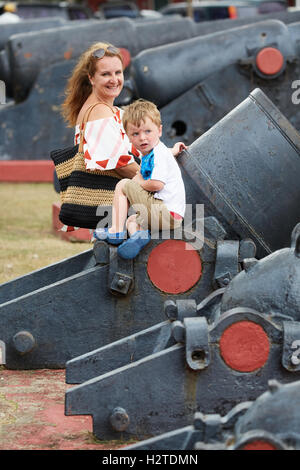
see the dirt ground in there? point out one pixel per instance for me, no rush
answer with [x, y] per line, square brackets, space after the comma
[32, 414]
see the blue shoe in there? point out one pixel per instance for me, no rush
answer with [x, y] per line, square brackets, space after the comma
[112, 238]
[130, 248]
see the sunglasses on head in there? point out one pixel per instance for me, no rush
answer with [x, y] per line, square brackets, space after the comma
[99, 53]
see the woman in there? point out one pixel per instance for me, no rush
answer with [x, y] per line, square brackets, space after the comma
[98, 78]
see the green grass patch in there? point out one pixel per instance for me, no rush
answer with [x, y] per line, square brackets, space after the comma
[27, 239]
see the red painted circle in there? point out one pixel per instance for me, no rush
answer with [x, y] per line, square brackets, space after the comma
[174, 266]
[244, 346]
[269, 61]
[259, 445]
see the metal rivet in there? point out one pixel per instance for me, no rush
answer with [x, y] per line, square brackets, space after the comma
[119, 419]
[121, 283]
[23, 342]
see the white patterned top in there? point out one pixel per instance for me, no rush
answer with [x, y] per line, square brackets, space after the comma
[106, 145]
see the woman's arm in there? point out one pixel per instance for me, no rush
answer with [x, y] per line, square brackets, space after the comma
[128, 171]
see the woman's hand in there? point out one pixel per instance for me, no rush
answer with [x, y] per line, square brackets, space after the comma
[178, 148]
[149, 185]
[138, 177]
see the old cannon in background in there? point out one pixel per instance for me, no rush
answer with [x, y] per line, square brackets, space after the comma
[202, 56]
[9, 29]
[220, 356]
[199, 108]
[29, 26]
[52, 132]
[271, 422]
[67, 314]
[208, 27]
[199, 99]
[28, 54]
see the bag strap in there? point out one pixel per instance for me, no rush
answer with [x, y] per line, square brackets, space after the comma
[85, 120]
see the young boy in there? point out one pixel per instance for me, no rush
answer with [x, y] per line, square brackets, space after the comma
[156, 192]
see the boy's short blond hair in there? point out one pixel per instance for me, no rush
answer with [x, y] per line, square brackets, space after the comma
[137, 111]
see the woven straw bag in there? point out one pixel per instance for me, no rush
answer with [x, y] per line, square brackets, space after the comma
[82, 190]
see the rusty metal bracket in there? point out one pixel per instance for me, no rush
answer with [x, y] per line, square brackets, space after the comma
[196, 343]
[120, 275]
[227, 262]
[180, 309]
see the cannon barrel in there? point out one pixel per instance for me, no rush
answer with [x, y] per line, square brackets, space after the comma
[192, 60]
[208, 27]
[247, 170]
[27, 26]
[197, 109]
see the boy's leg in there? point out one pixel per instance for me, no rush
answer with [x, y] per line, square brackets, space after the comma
[120, 208]
[132, 225]
[140, 201]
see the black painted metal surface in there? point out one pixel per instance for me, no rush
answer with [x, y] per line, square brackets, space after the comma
[271, 422]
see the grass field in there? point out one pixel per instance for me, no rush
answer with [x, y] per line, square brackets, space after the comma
[27, 239]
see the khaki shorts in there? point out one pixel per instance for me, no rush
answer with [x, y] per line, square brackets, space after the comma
[151, 212]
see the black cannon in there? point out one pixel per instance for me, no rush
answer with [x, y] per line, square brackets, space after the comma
[218, 172]
[222, 355]
[199, 108]
[27, 26]
[208, 27]
[201, 57]
[271, 422]
[240, 168]
[195, 102]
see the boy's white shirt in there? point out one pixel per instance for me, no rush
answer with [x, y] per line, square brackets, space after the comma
[167, 171]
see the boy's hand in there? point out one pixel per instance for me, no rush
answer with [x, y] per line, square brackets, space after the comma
[177, 148]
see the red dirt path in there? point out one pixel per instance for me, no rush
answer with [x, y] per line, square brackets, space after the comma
[32, 414]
